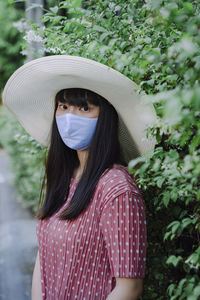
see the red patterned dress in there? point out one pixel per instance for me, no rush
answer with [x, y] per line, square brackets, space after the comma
[80, 259]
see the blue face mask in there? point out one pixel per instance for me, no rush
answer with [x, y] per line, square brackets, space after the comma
[75, 131]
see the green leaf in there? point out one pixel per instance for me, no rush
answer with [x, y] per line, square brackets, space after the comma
[166, 236]
[197, 291]
[195, 142]
[186, 222]
[99, 28]
[174, 226]
[194, 259]
[159, 182]
[166, 199]
[192, 297]
[170, 289]
[174, 260]
[181, 283]
[188, 6]
[54, 9]
[76, 3]
[135, 161]
[103, 36]
[70, 4]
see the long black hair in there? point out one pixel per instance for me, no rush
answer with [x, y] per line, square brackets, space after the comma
[61, 161]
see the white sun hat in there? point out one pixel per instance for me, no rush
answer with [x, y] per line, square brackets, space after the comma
[30, 94]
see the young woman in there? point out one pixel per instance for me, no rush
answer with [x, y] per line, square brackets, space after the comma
[91, 229]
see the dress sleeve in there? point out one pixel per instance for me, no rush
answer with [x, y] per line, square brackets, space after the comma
[123, 226]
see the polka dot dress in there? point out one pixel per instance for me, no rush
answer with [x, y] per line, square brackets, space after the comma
[80, 259]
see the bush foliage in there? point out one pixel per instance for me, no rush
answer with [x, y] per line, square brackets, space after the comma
[156, 43]
[27, 157]
[10, 40]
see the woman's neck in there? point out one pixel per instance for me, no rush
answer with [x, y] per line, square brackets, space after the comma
[82, 156]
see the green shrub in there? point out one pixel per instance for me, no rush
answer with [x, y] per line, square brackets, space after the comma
[27, 157]
[10, 40]
[169, 177]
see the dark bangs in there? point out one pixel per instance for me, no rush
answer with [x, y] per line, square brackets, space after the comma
[78, 97]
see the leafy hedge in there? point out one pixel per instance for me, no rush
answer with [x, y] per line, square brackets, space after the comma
[27, 157]
[156, 43]
[10, 39]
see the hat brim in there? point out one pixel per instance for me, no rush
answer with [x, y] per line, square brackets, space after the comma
[30, 95]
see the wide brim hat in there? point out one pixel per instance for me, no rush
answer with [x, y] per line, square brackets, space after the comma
[30, 94]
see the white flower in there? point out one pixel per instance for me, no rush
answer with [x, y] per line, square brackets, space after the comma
[55, 50]
[20, 25]
[31, 36]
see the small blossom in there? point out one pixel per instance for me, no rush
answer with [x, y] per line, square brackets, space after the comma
[31, 36]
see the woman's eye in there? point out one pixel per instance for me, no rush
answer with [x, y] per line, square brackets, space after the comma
[63, 107]
[84, 108]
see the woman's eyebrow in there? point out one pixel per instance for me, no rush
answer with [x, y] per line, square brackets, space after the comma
[80, 105]
[62, 103]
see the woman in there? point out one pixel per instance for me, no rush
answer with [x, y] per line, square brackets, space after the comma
[91, 229]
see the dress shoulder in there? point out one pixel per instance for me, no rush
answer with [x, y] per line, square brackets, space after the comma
[114, 182]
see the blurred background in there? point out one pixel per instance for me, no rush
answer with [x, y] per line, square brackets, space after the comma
[156, 43]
